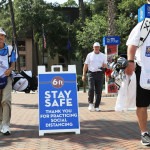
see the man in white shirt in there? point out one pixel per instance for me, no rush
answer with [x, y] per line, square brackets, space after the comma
[141, 52]
[94, 61]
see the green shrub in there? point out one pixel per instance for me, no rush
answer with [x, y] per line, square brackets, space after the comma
[79, 80]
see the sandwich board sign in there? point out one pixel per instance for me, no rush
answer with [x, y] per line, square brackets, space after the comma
[58, 103]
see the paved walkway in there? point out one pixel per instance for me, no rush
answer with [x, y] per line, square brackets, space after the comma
[105, 130]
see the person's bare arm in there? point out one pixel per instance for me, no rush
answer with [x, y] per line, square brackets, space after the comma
[130, 54]
[8, 71]
[84, 72]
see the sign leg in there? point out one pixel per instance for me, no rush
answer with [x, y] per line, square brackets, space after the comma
[41, 133]
[78, 132]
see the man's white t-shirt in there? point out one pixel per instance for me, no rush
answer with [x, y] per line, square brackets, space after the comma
[95, 61]
[134, 39]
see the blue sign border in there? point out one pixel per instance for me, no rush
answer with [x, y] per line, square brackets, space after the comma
[58, 117]
[111, 40]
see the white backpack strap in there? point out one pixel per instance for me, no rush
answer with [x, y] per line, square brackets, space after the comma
[10, 49]
[16, 51]
[145, 30]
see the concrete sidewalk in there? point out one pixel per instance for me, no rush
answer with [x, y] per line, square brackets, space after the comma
[104, 130]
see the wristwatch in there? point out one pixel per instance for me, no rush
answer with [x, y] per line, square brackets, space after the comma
[131, 61]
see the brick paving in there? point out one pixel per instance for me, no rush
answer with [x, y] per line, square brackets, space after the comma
[104, 130]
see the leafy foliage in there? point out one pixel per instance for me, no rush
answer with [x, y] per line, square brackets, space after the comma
[6, 18]
[126, 19]
[94, 31]
[39, 13]
[96, 26]
[30, 15]
[69, 3]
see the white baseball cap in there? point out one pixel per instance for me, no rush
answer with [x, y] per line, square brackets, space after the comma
[2, 32]
[96, 44]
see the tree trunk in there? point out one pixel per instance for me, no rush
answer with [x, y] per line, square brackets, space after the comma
[111, 17]
[82, 15]
[14, 32]
[35, 58]
[81, 11]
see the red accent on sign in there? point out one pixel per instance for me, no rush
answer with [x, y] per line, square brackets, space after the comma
[111, 49]
[57, 82]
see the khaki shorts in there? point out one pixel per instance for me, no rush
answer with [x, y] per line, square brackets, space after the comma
[5, 104]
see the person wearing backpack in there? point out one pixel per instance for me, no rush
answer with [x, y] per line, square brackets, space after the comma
[139, 46]
[6, 68]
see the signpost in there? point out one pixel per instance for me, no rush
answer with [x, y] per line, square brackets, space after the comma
[58, 104]
[111, 49]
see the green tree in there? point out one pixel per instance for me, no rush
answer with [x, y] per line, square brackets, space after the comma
[126, 19]
[126, 16]
[98, 7]
[69, 3]
[30, 15]
[94, 30]
[38, 13]
[6, 19]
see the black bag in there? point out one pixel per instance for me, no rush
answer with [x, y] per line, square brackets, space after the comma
[33, 82]
[24, 82]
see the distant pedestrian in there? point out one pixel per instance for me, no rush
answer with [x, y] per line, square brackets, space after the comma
[94, 61]
[6, 66]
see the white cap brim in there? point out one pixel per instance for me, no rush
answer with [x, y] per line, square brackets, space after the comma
[2, 32]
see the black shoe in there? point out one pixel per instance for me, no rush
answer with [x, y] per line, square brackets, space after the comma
[7, 133]
[145, 139]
